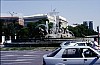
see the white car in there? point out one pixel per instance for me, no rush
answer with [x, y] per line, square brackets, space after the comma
[72, 55]
[74, 43]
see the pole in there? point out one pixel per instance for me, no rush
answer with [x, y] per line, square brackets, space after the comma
[98, 34]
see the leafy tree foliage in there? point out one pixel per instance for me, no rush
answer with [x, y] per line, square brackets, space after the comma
[50, 25]
[32, 30]
[23, 33]
[81, 31]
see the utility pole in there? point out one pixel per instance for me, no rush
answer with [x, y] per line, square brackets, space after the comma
[98, 34]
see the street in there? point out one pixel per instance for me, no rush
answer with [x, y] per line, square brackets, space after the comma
[27, 57]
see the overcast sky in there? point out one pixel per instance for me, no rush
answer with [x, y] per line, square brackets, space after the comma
[75, 11]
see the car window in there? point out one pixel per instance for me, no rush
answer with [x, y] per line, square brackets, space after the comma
[72, 53]
[89, 53]
[81, 44]
[89, 44]
[54, 53]
[69, 42]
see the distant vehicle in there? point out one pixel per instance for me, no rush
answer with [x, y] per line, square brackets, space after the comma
[92, 44]
[72, 55]
[74, 43]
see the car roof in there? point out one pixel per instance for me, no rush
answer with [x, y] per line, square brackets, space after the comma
[80, 42]
[65, 47]
[75, 41]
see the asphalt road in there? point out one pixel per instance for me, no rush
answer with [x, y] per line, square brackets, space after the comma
[27, 57]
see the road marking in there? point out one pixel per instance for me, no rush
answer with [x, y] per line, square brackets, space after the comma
[19, 55]
[18, 60]
[22, 57]
[11, 55]
[27, 57]
[30, 55]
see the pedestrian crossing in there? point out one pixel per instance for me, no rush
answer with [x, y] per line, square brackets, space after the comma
[22, 57]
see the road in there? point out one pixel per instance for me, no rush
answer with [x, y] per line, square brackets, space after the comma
[27, 57]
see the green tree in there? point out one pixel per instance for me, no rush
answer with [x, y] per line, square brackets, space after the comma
[81, 31]
[23, 33]
[50, 25]
[31, 28]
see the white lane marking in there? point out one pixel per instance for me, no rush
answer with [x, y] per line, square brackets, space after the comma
[11, 55]
[18, 55]
[26, 57]
[23, 62]
[18, 60]
[30, 55]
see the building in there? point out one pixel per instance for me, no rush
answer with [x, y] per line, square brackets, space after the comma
[6, 20]
[89, 24]
[59, 23]
[34, 18]
[85, 23]
[74, 25]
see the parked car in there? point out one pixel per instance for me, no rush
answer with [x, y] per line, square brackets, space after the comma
[72, 55]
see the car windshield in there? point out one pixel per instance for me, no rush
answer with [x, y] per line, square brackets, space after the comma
[54, 52]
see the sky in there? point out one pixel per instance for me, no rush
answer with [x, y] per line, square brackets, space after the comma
[75, 11]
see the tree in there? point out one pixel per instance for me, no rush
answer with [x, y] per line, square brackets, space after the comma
[23, 33]
[31, 28]
[50, 25]
[81, 31]
[37, 29]
[1, 30]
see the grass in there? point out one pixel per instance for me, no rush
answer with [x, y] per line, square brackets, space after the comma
[27, 48]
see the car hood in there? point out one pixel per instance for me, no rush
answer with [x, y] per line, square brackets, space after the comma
[45, 55]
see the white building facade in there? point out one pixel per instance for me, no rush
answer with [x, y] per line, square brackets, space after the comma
[59, 22]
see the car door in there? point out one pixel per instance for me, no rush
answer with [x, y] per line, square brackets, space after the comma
[90, 58]
[72, 56]
[55, 58]
[91, 61]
